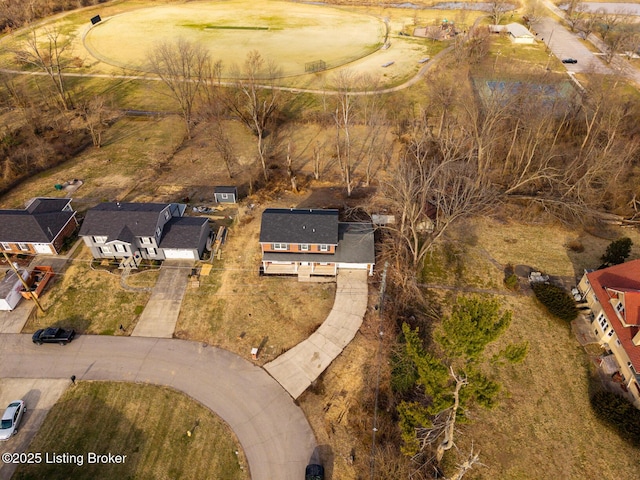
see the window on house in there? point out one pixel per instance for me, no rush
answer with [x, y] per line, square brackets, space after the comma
[145, 240]
[618, 342]
[99, 239]
[158, 232]
[106, 249]
[610, 334]
[224, 196]
[166, 214]
[620, 307]
[603, 323]
[280, 246]
[324, 248]
[151, 252]
[24, 247]
[120, 248]
[6, 246]
[304, 247]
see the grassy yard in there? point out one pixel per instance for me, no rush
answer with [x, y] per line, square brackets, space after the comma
[543, 426]
[146, 423]
[237, 309]
[92, 301]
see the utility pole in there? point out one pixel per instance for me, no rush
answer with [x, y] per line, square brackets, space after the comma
[372, 460]
[24, 284]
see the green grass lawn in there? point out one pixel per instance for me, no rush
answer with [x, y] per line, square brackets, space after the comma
[146, 423]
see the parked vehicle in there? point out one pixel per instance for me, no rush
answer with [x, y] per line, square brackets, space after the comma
[11, 419]
[53, 335]
[569, 60]
[314, 472]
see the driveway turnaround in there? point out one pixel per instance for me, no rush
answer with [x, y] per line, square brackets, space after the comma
[297, 368]
[39, 396]
[272, 430]
[161, 312]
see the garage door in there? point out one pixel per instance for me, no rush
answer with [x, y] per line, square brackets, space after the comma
[42, 248]
[353, 266]
[181, 254]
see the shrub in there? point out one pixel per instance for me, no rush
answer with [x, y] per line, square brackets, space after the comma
[576, 246]
[617, 251]
[619, 413]
[511, 282]
[558, 302]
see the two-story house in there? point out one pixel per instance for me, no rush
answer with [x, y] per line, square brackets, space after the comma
[309, 242]
[40, 228]
[155, 231]
[613, 294]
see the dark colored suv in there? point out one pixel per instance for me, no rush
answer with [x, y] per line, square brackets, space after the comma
[314, 472]
[569, 60]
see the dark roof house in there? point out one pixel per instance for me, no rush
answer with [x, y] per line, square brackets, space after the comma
[40, 228]
[155, 231]
[310, 242]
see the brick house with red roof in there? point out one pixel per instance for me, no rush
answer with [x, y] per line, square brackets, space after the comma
[613, 294]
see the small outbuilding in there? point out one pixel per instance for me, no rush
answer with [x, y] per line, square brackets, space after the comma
[517, 32]
[225, 194]
[10, 287]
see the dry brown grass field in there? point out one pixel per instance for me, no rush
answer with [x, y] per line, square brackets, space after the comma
[290, 34]
[147, 423]
[237, 309]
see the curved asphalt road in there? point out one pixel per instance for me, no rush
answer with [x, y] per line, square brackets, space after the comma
[272, 430]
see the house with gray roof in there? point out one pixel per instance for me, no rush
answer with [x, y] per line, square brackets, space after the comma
[40, 228]
[154, 231]
[311, 242]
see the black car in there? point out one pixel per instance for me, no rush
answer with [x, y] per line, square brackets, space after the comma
[314, 472]
[53, 335]
[569, 60]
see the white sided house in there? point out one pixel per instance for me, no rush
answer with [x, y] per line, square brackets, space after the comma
[154, 231]
[310, 242]
[613, 294]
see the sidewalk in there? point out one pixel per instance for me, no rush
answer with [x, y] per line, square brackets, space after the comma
[299, 367]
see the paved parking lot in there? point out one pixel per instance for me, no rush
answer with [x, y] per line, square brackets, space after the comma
[39, 396]
[564, 44]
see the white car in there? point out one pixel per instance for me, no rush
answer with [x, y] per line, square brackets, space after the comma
[11, 419]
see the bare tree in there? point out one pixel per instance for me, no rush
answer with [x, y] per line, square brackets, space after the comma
[608, 23]
[223, 146]
[96, 115]
[343, 116]
[498, 10]
[533, 13]
[183, 66]
[431, 188]
[442, 431]
[255, 101]
[50, 56]
[576, 14]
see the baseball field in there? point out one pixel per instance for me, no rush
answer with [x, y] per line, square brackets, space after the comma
[293, 35]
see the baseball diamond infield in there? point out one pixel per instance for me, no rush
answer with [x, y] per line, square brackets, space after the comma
[297, 37]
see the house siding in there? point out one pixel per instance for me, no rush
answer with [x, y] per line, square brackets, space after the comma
[296, 248]
[609, 342]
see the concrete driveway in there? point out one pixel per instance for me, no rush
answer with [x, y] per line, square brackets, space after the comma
[297, 368]
[272, 430]
[39, 396]
[160, 315]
